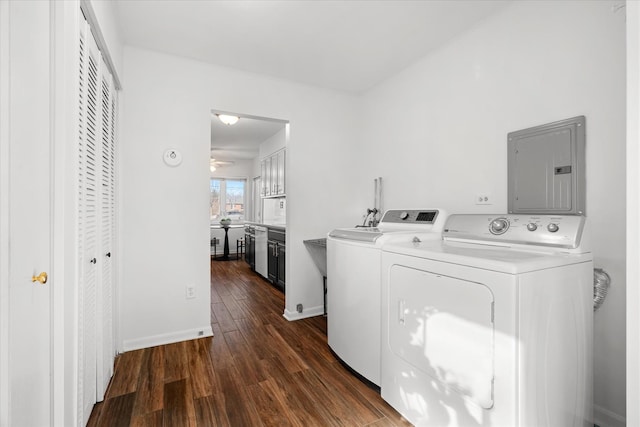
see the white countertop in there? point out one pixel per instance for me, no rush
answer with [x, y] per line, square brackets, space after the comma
[262, 224]
[217, 226]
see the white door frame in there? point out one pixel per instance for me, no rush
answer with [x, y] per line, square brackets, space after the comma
[66, 18]
[4, 213]
[633, 213]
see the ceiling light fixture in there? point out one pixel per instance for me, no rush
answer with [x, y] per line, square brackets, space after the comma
[215, 164]
[227, 119]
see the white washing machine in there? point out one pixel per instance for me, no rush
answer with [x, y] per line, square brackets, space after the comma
[353, 284]
[492, 325]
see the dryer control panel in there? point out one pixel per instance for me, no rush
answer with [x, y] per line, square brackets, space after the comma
[560, 231]
[410, 216]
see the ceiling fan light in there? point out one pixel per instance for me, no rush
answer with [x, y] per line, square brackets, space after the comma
[227, 119]
[212, 168]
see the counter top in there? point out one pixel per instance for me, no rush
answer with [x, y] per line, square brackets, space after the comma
[282, 227]
[217, 226]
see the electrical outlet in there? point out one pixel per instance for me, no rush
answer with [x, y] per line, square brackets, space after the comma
[483, 199]
[190, 291]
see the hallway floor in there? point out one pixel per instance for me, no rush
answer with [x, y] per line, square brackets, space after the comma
[258, 370]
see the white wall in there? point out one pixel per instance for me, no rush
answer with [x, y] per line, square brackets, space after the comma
[106, 15]
[239, 169]
[165, 216]
[274, 210]
[273, 143]
[437, 134]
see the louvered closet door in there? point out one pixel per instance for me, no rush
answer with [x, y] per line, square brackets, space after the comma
[105, 343]
[96, 238]
[90, 128]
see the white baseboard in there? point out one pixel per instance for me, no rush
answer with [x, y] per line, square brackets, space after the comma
[170, 338]
[605, 418]
[309, 312]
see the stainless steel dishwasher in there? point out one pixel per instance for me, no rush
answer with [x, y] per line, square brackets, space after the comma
[261, 251]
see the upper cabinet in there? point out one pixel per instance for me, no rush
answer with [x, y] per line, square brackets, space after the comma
[265, 173]
[280, 172]
[272, 169]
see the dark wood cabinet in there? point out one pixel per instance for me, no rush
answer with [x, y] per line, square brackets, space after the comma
[272, 260]
[276, 251]
[281, 252]
[250, 247]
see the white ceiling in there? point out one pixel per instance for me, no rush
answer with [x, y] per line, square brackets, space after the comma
[342, 45]
[242, 140]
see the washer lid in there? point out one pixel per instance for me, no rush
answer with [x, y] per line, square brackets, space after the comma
[396, 221]
[502, 259]
[364, 234]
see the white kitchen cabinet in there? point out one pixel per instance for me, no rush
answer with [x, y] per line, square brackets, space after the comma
[265, 173]
[280, 190]
[272, 169]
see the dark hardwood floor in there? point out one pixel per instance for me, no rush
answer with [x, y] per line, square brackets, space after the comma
[258, 370]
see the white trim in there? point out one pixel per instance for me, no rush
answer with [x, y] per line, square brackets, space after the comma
[308, 312]
[169, 338]
[633, 213]
[90, 16]
[64, 112]
[56, 133]
[119, 256]
[605, 418]
[4, 212]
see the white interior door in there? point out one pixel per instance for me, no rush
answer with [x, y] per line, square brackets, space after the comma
[25, 135]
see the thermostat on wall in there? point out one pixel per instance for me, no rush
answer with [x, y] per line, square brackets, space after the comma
[172, 157]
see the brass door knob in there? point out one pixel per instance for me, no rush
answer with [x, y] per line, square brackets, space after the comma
[42, 278]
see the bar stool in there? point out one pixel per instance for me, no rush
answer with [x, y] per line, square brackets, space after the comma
[214, 244]
[239, 248]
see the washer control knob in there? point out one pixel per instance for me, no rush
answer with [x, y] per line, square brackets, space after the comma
[552, 227]
[532, 226]
[499, 226]
[404, 215]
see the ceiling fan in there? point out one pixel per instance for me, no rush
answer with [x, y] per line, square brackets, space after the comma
[215, 164]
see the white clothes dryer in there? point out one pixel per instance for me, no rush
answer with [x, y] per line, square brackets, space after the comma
[492, 325]
[353, 284]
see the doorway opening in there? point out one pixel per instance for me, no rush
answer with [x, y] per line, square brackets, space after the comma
[248, 192]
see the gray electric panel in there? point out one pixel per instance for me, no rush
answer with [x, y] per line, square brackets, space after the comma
[547, 169]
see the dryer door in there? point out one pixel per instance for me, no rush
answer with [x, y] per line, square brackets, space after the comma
[444, 327]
